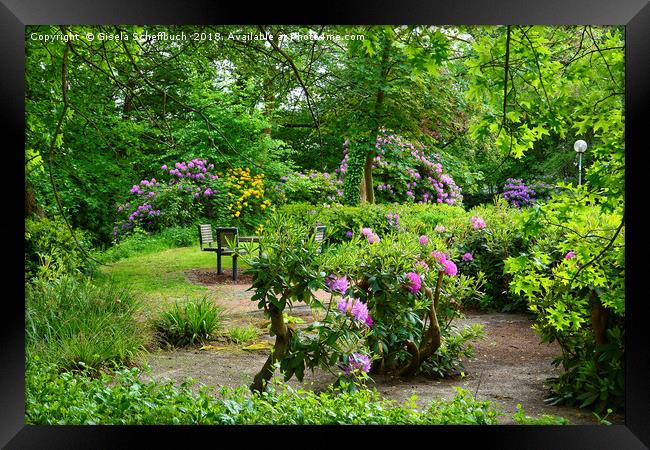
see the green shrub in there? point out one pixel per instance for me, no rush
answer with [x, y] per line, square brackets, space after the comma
[313, 187]
[122, 398]
[242, 335]
[490, 247]
[573, 279]
[521, 418]
[446, 360]
[191, 323]
[75, 324]
[50, 249]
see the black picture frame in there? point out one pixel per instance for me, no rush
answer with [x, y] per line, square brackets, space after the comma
[634, 14]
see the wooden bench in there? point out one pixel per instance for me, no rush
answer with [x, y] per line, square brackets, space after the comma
[226, 244]
[319, 235]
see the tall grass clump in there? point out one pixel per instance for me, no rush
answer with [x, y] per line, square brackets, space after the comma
[78, 325]
[188, 323]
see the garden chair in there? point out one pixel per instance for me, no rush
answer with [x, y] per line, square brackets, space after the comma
[226, 244]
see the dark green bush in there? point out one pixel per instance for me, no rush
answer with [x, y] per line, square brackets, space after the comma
[188, 324]
[490, 247]
[75, 324]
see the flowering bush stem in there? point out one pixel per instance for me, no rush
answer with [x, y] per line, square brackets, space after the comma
[282, 339]
[431, 340]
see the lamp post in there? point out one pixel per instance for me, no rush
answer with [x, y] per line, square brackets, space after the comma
[580, 146]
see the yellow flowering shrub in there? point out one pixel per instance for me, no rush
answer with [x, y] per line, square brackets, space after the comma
[246, 200]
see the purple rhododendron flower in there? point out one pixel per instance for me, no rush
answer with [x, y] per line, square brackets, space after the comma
[164, 167]
[373, 239]
[366, 232]
[414, 282]
[359, 311]
[357, 362]
[369, 321]
[569, 255]
[468, 257]
[439, 229]
[477, 222]
[424, 240]
[348, 234]
[338, 284]
[355, 308]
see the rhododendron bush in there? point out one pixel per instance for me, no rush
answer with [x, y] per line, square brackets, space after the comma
[407, 172]
[392, 300]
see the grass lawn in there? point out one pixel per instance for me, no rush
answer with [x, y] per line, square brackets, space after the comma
[158, 279]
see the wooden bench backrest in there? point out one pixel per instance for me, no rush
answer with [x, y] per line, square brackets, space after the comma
[226, 236]
[205, 235]
[319, 233]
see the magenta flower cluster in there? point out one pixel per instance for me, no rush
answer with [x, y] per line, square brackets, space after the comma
[413, 282]
[468, 257]
[477, 222]
[357, 363]
[356, 309]
[570, 255]
[448, 265]
[424, 240]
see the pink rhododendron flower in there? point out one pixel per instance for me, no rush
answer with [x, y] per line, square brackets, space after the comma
[424, 240]
[414, 282]
[468, 257]
[569, 255]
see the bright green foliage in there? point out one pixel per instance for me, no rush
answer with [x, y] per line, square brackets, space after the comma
[51, 250]
[79, 325]
[190, 323]
[521, 418]
[123, 398]
[243, 335]
[311, 187]
[573, 279]
[139, 242]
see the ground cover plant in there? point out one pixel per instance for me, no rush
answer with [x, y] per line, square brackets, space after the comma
[440, 161]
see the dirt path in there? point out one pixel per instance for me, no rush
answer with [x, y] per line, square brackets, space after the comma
[509, 365]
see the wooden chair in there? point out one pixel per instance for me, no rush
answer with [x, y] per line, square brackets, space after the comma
[226, 244]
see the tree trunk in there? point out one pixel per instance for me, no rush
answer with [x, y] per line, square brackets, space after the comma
[599, 319]
[31, 205]
[282, 339]
[367, 193]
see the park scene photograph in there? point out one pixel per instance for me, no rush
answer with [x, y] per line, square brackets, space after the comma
[316, 225]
